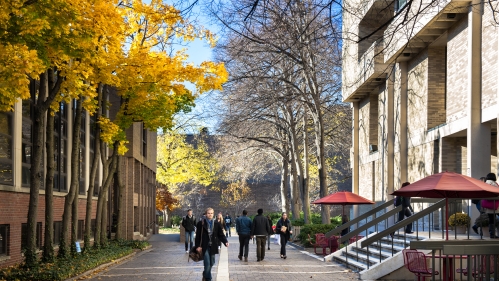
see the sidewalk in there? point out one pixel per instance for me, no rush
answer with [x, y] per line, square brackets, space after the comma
[167, 260]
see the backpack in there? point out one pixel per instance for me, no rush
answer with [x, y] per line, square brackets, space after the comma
[397, 201]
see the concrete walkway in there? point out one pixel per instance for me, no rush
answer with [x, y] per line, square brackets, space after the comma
[167, 260]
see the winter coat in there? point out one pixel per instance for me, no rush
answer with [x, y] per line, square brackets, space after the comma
[216, 236]
[260, 226]
[286, 223]
[243, 225]
[189, 223]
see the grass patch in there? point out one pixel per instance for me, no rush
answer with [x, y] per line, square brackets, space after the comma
[169, 230]
[74, 265]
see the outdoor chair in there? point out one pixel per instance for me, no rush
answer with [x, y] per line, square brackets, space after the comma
[320, 242]
[333, 243]
[479, 265]
[415, 262]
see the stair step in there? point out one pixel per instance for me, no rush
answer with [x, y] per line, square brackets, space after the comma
[359, 257]
[386, 247]
[374, 253]
[352, 264]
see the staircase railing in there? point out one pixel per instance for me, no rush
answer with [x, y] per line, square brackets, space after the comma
[372, 213]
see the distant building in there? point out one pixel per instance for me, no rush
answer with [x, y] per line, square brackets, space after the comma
[138, 175]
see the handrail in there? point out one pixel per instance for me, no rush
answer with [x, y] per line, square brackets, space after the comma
[402, 223]
[372, 212]
[371, 223]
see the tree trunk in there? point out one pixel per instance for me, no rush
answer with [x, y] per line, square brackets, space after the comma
[93, 173]
[48, 247]
[295, 206]
[121, 189]
[321, 165]
[295, 162]
[75, 179]
[284, 186]
[36, 174]
[305, 185]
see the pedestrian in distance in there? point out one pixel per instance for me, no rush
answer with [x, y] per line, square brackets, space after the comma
[189, 224]
[220, 220]
[478, 205]
[406, 208]
[283, 228]
[243, 228]
[490, 207]
[260, 228]
[228, 224]
[270, 233]
[344, 219]
[211, 232]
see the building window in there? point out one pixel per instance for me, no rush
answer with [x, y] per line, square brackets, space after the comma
[80, 230]
[27, 129]
[6, 176]
[93, 225]
[60, 136]
[57, 232]
[144, 141]
[24, 235]
[400, 4]
[4, 239]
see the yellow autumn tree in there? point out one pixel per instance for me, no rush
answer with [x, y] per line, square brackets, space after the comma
[237, 196]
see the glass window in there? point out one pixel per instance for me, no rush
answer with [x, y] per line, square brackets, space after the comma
[4, 238]
[6, 175]
[60, 136]
[80, 230]
[144, 141]
[57, 232]
[93, 226]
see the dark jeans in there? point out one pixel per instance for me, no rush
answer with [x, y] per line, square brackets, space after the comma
[402, 215]
[260, 247]
[492, 224]
[268, 242]
[284, 240]
[244, 243]
[209, 261]
[189, 238]
[227, 231]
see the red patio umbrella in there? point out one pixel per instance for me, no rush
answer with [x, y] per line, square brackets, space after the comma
[448, 185]
[343, 198]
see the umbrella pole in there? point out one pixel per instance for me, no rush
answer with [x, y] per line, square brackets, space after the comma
[343, 213]
[447, 219]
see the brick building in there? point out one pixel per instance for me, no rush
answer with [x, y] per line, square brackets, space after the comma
[138, 174]
[424, 91]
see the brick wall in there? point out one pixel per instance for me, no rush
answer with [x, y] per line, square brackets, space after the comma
[14, 212]
[436, 87]
[373, 119]
[489, 60]
[364, 126]
[457, 65]
[417, 94]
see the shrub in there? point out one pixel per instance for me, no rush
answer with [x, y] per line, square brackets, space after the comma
[459, 219]
[62, 269]
[312, 229]
[176, 219]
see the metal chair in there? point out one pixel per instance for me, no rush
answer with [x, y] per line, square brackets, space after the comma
[320, 242]
[333, 243]
[479, 265]
[355, 238]
[415, 262]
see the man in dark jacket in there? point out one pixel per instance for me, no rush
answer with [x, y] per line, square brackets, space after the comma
[243, 228]
[260, 228]
[189, 223]
[228, 224]
[208, 232]
[406, 210]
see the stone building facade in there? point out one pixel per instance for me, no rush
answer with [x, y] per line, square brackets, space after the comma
[138, 174]
[424, 91]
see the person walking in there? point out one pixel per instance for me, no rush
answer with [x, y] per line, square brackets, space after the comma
[283, 228]
[270, 233]
[208, 232]
[260, 228]
[220, 220]
[243, 228]
[478, 205]
[189, 223]
[490, 207]
[228, 224]
[406, 209]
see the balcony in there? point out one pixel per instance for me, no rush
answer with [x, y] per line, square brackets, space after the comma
[370, 73]
[424, 23]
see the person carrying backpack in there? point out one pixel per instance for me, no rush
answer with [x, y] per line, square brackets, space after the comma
[406, 209]
[189, 223]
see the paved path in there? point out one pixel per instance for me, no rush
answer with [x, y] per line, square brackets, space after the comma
[167, 260]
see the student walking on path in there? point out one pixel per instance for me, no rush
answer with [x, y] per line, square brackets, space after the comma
[189, 223]
[211, 232]
[283, 228]
[228, 224]
[243, 228]
[260, 229]
[270, 233]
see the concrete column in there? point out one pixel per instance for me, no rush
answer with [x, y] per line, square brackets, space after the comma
[403, 122]
[478, 134]
[390, 134]
[87, 151]
[17, 145]
[355, 154]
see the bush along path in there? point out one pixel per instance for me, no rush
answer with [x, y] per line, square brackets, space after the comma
[64, 268]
